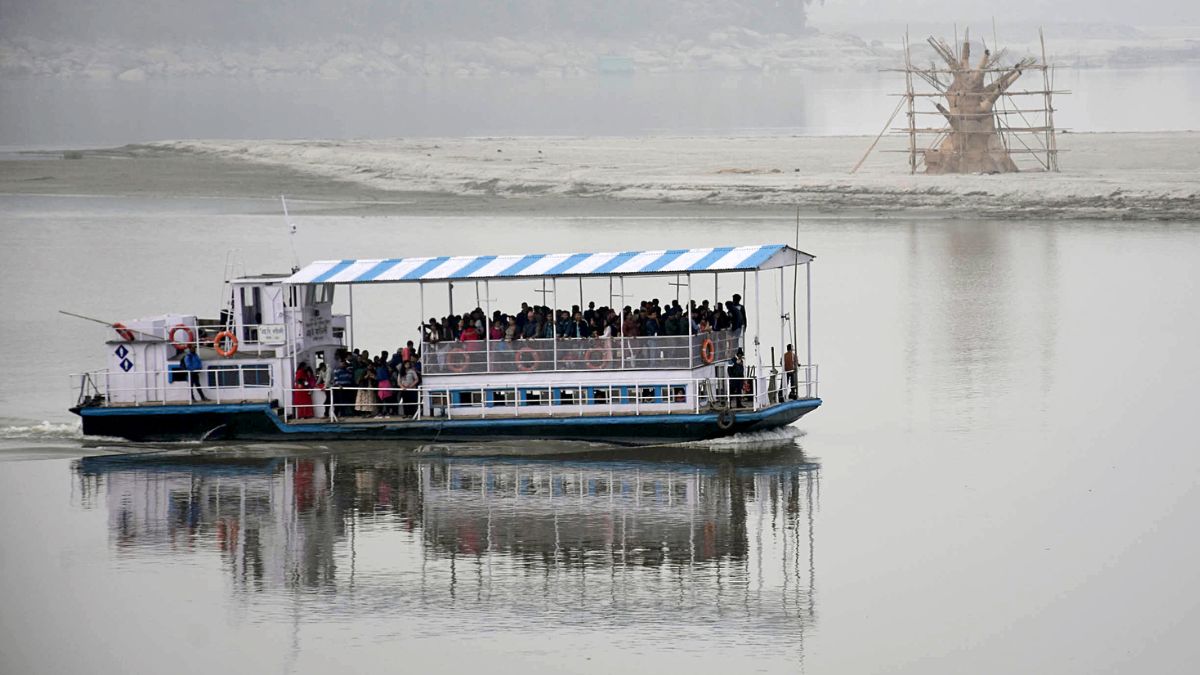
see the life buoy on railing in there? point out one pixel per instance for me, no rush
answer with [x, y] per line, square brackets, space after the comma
[222, 337]
[595, 358]
[708, 351]
[457, 360]
[125, 333]
[191, 337]
[527, 359]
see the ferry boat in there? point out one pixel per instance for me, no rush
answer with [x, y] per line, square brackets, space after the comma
[622, 390]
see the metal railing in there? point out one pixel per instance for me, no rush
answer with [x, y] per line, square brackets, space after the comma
[174, 387]
[559, 397]
[660, 352]
[554, 398]
[205, 332]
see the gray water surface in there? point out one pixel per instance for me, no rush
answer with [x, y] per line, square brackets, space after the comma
[1003, 477]
[42, 112]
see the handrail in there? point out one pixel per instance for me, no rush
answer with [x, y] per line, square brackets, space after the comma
[204, 332]
[664, 394]
[661, 352]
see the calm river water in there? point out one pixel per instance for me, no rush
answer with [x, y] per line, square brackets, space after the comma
[1003, 478]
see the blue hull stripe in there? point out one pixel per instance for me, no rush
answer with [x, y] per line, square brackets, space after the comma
[449, 425]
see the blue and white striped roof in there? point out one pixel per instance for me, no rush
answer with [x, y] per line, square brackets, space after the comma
[445, 268]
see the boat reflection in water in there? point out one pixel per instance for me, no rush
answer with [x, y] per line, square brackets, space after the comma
[684, 537]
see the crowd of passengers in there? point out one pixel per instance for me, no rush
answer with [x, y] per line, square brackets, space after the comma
[387, 385]
[360, 385]
[532, 322]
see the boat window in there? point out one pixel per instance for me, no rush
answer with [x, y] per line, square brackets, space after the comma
[320, 293]
[566, 396]
[650, 394]
[251, 312]
[224, 376]
[256, 375]
[502, 397]
[535, 396]
[679, 393]
[599, 395]
[469, 398]
[437, 401]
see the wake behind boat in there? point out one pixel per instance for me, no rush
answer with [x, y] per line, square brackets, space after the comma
[619, 373]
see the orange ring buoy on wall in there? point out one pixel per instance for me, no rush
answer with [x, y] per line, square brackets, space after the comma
[125, 333]
[708, 351]
[594, 358]
[527, 364]
[233, 343]
[191, 336]
[455, 364]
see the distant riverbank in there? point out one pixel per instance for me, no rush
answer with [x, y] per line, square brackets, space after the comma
[1148, 176]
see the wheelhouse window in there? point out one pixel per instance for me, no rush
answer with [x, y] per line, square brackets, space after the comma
[319, 293]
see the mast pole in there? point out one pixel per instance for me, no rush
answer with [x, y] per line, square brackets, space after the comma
[757, 333]
[808, 325]
[487, 325]
[554, 321]
[783, 316]
[687, 316]
[621, 328]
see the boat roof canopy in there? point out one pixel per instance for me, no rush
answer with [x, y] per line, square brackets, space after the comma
[537, 266]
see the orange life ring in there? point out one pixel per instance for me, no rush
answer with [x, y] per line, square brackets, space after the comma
[454, 363]
[708, 351]
[530, 364]
[191, 336]
[125, 333]
[233, 343]
[594, 358]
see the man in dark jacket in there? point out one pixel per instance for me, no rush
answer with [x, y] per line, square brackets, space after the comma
[737, 380]
[191, 362]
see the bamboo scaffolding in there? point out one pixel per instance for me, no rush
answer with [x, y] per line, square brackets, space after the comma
[984, 123]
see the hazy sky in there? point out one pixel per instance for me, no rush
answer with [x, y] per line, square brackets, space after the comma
[159, 21]
[1142, 12]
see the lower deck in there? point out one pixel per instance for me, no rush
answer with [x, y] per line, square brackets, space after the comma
[259, 421]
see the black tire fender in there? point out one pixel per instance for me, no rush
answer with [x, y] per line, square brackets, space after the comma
[725, 420]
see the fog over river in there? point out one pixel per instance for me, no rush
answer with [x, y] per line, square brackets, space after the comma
[1002, 477]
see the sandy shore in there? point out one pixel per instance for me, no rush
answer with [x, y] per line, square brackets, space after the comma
[1149, 176]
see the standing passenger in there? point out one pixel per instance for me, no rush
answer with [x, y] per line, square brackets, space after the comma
[789, 367]
[192, 363]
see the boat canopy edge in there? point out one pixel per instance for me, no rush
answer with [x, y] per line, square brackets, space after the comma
[661, 262]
